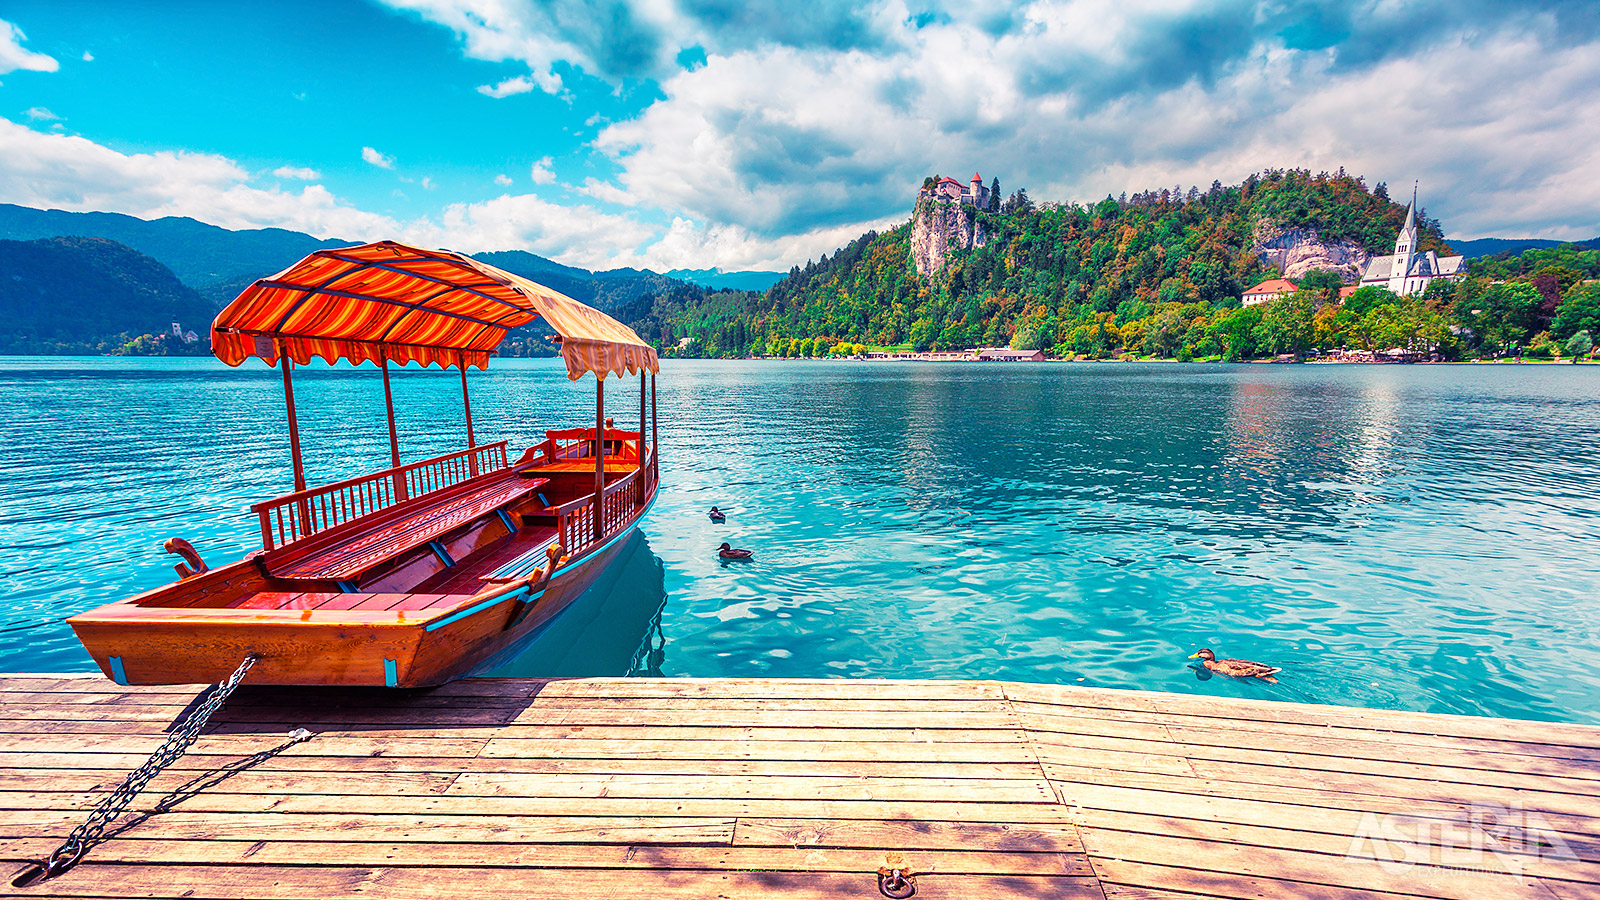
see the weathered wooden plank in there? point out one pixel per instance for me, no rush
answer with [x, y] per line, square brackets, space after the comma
[958, 751]
[400, 883]
[1033, 790]
[577, 856]
[23, 770]
[325, 811]
[184, 824]
[217, 743]
[774, 688]
[1043, 837]
[789, 718]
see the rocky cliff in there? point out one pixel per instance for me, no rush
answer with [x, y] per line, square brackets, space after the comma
[1297, 251]
[940, 226]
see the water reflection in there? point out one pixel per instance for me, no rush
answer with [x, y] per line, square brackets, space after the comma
[613, 629]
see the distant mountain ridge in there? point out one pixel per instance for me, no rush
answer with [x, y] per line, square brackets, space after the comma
[178, 265]
[77, 295]
[219, 262]
[1492, 246]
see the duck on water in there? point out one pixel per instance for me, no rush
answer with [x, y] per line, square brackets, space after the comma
[1238, 668]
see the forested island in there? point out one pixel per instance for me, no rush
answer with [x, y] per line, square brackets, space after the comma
[1155, 275]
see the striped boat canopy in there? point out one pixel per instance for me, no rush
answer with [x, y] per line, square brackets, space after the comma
[404, 304]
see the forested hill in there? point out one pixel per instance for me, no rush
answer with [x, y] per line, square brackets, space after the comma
[1051, 276]
[77, 295]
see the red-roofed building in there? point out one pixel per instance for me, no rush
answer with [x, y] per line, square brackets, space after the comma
[974, 193]
[1345, 292]
[1268, 290]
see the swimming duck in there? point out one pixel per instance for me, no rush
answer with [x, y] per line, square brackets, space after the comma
[718, 515]
[1238, 668]
[727, 552]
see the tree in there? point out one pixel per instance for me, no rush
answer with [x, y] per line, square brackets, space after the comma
[1286, 326]
[1580, 311]
[1579, 345]
[1322, 285]
[994, 195]
[1363, 299]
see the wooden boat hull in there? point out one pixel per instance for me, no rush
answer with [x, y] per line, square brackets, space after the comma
[140, 645]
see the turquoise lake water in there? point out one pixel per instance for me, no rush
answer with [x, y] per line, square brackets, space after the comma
[1420, 538]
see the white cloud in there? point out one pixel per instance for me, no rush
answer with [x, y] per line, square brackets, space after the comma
[427, 183]
[40, 114]
[502, 180]
[522, 84]
[577, 235]
[299, 173]
[378, 159]
[73, 173]
[540, 172]
[781, 141]
[13, 56]
[87, 56]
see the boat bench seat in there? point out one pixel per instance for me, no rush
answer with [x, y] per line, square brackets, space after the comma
[523, 565]
[388, 537]
[366, 602]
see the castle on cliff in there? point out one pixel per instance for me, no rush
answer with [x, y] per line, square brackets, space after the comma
[974, 193]
[1407, 271]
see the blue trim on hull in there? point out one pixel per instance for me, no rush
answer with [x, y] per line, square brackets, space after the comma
[391, 674]
[117, 673]
[494, 601]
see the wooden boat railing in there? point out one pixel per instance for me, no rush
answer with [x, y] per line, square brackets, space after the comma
[292, 517]
[575, 520]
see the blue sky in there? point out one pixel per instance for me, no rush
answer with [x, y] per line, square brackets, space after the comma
[698, 133]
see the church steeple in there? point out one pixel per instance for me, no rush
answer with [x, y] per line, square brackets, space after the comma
[1405, 248]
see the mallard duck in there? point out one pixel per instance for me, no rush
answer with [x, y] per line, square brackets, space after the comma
[717, 515]
[1238, 668]
[727, 552]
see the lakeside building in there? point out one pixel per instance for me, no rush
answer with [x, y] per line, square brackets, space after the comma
[1006, 354]
[1407, 271]
[1268, 290]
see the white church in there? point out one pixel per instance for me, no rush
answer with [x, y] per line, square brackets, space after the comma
[1406, 271]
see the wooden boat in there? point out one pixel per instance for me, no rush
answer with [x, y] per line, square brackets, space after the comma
[419, 573]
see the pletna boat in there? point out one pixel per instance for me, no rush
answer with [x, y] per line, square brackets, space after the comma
[419, 573]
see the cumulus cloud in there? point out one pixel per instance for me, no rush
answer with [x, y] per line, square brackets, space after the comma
[372, 156]
[540, 172]
[518, 85]
[74, 173]
[299, 173]
[781, 125]
[14, 56]
[502, 179]
[577, 235]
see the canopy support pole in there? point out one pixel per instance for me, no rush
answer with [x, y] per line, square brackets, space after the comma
[466, 403]
[294, 441]
[394, 437]
[655, 438]
[641, 420]
[599, 455]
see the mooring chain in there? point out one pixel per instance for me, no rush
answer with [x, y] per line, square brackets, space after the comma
[85, 835]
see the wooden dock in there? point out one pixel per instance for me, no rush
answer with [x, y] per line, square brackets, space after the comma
[624, 788]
